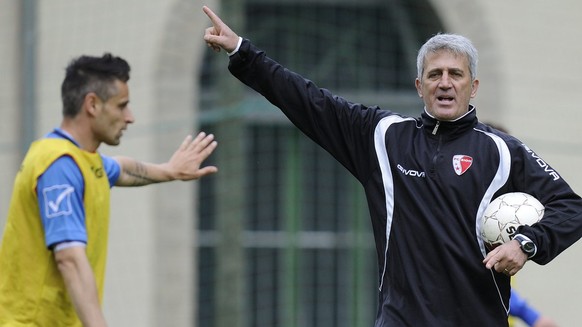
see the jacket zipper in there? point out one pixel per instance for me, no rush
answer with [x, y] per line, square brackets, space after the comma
[438, 149]
[436, 127]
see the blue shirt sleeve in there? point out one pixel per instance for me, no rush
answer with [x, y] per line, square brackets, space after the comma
[60, 193]
[60, 198]
[519, 308]
[112, 169]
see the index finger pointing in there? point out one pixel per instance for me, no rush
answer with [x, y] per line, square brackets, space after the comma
[213, 17]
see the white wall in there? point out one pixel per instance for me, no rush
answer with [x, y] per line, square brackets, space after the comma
[10, 80]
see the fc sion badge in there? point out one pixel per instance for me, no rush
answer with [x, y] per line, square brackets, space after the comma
[461, 163]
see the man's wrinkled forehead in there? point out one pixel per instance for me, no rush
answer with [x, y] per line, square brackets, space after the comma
[446, 58]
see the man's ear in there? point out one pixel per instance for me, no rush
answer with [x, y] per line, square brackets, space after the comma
[418, 85]
[474, 87]
[91, 103]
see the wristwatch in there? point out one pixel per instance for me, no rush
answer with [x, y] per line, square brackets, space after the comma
[527, 246]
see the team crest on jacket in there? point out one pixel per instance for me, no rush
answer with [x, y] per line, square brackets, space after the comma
[461, 163]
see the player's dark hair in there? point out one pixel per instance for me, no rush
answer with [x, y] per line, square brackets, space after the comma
[87, 74]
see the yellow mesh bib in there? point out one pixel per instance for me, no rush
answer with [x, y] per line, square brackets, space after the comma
[32, 292]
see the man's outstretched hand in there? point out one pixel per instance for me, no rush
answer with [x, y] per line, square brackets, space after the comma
[185, 164]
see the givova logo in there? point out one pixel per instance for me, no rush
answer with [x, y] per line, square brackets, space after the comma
[542, 163]
[410, 172]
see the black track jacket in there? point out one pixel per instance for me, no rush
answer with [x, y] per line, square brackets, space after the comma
[427, 183]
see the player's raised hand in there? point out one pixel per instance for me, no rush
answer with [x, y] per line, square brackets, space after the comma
[186, 161]
[183, 165]
[219, 36]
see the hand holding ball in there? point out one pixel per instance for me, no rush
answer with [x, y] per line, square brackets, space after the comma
[507, 212]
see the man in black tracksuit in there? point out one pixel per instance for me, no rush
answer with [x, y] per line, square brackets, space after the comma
[427, 180]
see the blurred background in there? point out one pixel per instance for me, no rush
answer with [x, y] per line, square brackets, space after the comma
[280, 237]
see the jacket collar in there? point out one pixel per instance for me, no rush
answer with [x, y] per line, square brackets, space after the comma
[450, 128]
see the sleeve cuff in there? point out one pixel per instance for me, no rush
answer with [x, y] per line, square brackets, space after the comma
[237, 47]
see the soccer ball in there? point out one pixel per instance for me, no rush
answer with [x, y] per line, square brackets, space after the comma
[504, 214]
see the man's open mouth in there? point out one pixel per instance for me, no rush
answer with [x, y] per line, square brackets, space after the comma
[445, 98]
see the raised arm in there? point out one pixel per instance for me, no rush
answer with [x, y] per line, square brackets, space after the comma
[183, 165]
[219, 36]
[342, 128]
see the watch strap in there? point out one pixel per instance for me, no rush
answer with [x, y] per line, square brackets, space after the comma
[521, 239]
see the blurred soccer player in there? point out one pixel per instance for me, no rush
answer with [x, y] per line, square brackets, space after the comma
[53, 251]
[519, 308]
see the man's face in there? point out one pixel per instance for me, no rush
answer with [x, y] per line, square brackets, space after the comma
[114, 115]
[446, 85]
